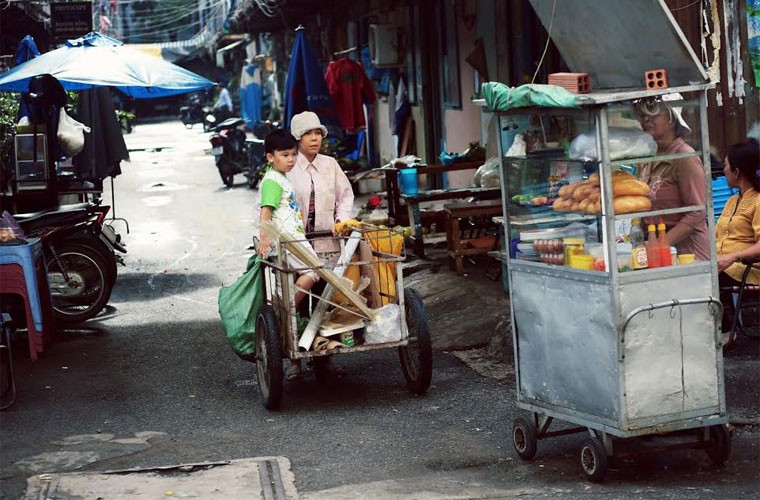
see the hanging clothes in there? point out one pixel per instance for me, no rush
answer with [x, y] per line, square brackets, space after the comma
[400, 110]
[349, 88]
[250, 94]
[104, 147]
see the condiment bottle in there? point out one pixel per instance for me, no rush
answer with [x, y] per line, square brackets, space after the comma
[662, 239]
[639, 250]
[653, 247]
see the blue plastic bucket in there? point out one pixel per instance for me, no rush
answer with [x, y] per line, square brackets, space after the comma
[408, 181]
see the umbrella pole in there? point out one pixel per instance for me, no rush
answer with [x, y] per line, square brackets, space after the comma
[113, 208]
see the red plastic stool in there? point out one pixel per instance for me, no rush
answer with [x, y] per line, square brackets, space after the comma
[23, 272]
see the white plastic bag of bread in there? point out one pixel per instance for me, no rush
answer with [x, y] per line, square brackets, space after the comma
[629, 195]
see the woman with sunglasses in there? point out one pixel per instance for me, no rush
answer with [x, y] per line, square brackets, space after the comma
[675, 183]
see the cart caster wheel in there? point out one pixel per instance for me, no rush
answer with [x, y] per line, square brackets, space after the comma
[524, 438]
[718, 447]
[417, 357]
[594, 460]
[268, 358]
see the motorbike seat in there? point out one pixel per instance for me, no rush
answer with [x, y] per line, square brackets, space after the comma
[254, 142]
[230, 123]
[54, 216]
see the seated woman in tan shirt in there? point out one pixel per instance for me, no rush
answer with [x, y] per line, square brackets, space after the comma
[738, 228]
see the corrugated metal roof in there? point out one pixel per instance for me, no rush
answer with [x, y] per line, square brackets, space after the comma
[619, 41]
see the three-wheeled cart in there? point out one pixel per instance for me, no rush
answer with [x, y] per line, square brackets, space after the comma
[615, 352]
[372, 256]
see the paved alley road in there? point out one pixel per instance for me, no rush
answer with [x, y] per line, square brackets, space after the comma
[152, 381]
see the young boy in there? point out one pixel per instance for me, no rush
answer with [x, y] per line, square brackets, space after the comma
[278, 204]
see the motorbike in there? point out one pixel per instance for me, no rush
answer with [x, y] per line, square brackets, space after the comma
[194, 113]
[81, 258]
[234, 153]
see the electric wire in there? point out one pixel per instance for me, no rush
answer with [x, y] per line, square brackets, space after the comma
[211, 17]
[695, 2]
[546, 47]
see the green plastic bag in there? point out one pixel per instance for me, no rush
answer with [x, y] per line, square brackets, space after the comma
[501, 97]
[239, 304]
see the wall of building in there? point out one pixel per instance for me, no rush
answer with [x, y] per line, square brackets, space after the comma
[462, 126]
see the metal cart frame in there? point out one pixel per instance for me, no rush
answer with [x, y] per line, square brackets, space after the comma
[617, 354]
[277, 332]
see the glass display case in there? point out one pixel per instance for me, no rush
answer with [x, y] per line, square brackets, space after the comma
[591, 172]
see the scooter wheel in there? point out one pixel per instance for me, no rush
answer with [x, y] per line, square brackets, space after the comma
[227, 179]
[79, 282]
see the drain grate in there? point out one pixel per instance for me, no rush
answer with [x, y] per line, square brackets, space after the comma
[271, 480]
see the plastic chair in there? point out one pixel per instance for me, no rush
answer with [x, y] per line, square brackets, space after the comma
[7, 376]
[23, 272]
[747, 307]
[721, 192]
[356, 153]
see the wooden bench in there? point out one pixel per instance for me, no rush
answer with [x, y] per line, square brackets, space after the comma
[465, 238]
[404, 209]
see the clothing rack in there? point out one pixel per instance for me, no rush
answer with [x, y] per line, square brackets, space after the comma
[113, 208]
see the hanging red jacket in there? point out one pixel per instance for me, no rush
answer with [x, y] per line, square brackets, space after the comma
[349, 87]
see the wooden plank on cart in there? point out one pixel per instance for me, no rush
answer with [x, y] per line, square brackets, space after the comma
[308, 335]
[344, 286]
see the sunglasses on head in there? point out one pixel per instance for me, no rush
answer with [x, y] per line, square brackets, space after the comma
[649, 107]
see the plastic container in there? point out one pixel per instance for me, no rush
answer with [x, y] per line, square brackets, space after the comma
[573, 246]
[407, 178]
[686, 258]
[582, 261]
[673, 256]
[625, 262]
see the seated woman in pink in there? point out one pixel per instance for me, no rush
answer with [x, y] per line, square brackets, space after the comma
[678, 182]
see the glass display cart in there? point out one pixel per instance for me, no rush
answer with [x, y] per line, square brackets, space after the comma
[615, 351]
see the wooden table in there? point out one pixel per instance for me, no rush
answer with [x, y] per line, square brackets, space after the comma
[415, 215]
[456, 240]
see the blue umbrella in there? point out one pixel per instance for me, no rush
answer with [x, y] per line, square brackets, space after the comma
[305, 87]
[96, 60]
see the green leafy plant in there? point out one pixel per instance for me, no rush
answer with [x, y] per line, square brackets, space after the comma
[8, 117]
[124, 115]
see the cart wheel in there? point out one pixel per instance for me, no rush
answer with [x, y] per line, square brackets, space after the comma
[268, 358]
[525, 438]
[718, 447]
[594, 459]
[417, 356]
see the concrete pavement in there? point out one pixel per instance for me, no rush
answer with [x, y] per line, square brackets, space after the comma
[156, 362]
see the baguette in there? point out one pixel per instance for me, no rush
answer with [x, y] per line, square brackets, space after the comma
[629, 204]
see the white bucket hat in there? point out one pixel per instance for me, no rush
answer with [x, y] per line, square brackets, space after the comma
[303, 122]
[653, 106]
[682, 128]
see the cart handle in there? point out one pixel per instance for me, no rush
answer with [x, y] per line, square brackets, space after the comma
[670, 303]
[318, 234]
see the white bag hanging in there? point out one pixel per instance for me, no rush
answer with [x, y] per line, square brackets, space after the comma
[70, 134]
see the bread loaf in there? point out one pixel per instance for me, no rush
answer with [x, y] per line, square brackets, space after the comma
[628, 204]
[629, 187]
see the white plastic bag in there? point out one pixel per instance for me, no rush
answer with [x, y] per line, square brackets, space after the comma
[623, 143]
[487, 175]
[70, 134]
